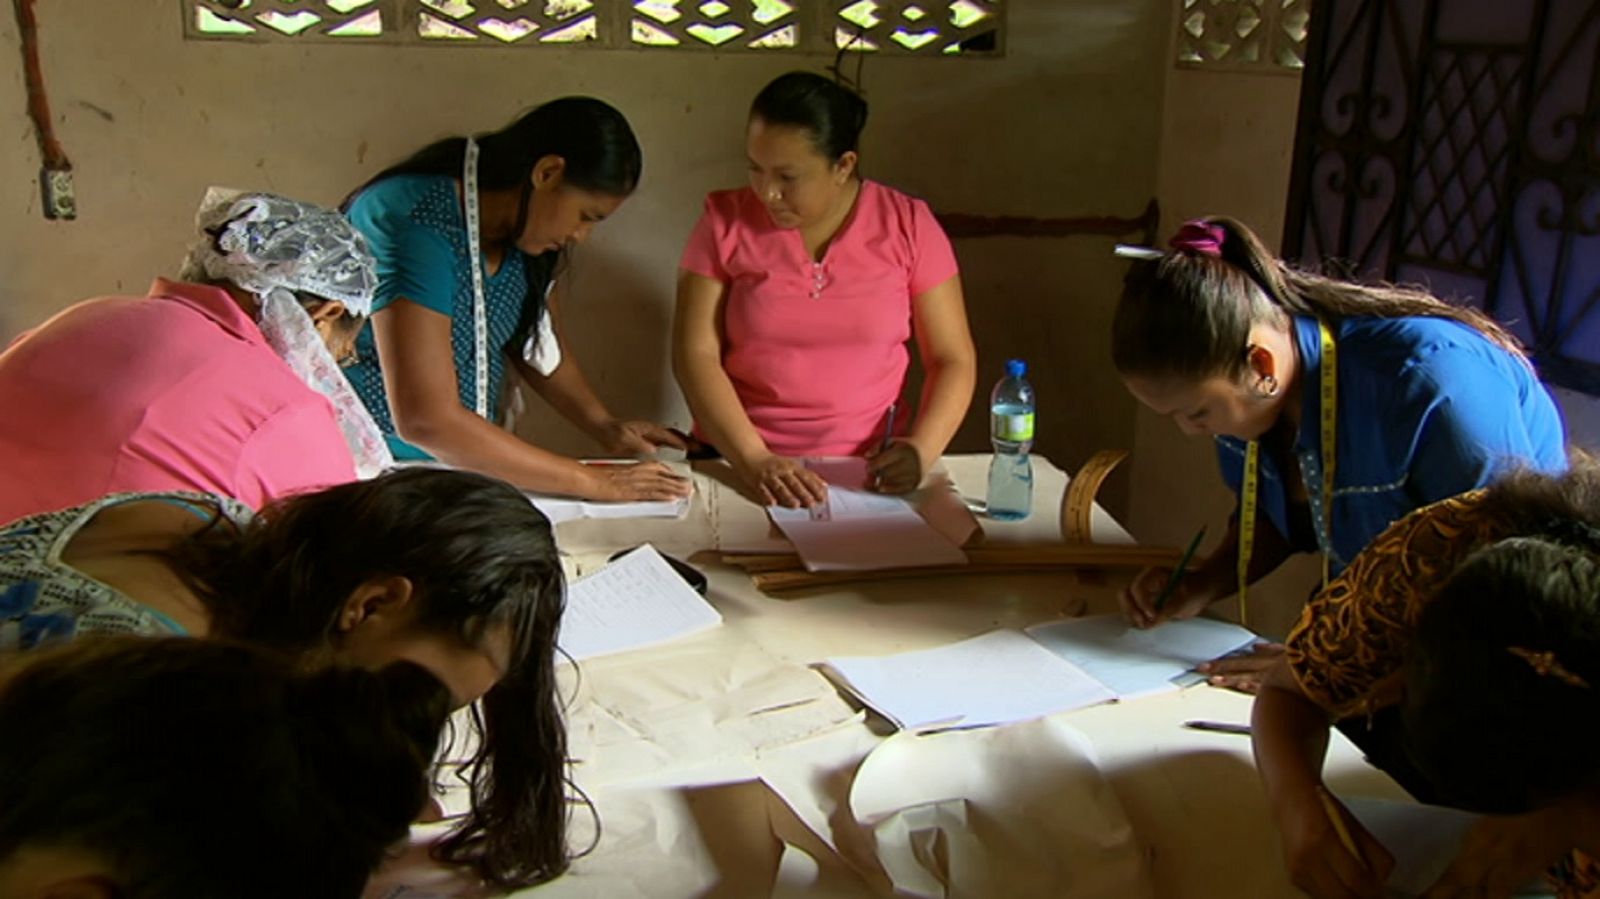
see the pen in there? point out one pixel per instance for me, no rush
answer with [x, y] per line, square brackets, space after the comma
[1177, 572]
[888, 430]
[1219, 727]
[1339, 825]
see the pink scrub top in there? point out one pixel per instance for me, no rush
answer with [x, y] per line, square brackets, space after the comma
[817, 351]
[177, 391]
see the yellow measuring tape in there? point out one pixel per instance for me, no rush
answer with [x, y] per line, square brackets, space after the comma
[1252, 461]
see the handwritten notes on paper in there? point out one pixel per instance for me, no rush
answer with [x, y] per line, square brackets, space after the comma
[858, 530]
[635, 602]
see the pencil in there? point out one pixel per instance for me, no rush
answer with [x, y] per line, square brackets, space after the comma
[1336, 815]
[1177, 571]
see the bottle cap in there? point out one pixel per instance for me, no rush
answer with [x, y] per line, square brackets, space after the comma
[1016, 368]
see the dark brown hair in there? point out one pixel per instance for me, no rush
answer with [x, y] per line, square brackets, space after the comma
[480, 557]
[196, 767]
[1188, 315]
[1489, 730]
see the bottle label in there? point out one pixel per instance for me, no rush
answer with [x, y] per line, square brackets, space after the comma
[1013, 428]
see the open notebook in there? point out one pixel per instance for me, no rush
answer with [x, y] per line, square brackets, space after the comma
[635, 602]
[859, 530]
[1007, 675]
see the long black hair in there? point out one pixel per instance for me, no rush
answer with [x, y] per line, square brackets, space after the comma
[1502, 706]
[194, 767]
[1188, 315]
[480, 557]
[591, 137]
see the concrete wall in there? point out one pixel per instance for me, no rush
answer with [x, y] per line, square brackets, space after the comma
[1226, 139]
[1066, 124]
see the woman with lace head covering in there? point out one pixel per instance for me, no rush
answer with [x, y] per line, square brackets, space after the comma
[223, 382]
[1466, 640]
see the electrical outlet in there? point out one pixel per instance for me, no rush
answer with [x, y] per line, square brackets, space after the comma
[60, 202]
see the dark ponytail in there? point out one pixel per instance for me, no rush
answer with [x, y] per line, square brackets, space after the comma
[832, 114]
[1188, 314]
[591, 137]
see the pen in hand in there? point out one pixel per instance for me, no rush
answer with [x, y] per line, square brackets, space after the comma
[888, 429]
[1177, 571]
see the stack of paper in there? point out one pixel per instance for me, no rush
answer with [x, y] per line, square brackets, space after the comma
[996, 678]
[1135, 662]
[566, 508]
[1005, 676]
[858, 530]
[635, 602]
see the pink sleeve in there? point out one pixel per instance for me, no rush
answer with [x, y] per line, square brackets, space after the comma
[934, 260]
[703, 254]
[300, 449]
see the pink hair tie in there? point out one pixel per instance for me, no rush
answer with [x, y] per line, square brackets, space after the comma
[1204, 238]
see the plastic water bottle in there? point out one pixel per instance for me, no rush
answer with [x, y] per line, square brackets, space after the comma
[1011, 432]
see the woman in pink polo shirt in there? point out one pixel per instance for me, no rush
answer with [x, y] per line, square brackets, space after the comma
[225, 382]
[797, 298]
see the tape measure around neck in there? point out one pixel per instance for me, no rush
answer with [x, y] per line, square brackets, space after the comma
[480, 312]
[1322, 512]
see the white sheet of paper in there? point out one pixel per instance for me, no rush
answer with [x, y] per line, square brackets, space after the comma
[1424, 840]
[566, 508]
[635, 602]
[862, 531]
[994, 678]
[1135, 662]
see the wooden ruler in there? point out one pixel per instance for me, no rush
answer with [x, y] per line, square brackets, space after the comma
[1077, 505]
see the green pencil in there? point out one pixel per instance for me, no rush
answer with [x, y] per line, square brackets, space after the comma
[1183, 562]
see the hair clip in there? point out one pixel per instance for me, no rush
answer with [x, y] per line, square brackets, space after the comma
[1130, 251]
[1545, 664]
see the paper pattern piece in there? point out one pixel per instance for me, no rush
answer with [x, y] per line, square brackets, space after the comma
[995, 678]
[858, 530]
[1017, 812]
[635, 602]
[566, 508]
[1424, 840]
[1135, 662]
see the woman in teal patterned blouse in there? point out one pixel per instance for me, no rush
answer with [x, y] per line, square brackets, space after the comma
[432, 363]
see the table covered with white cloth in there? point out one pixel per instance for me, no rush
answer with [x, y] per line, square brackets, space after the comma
[724, 765]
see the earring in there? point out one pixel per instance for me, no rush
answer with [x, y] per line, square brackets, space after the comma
[1267, 387]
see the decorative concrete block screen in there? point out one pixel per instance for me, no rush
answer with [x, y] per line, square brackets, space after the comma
[1248, 35]
[895, 27]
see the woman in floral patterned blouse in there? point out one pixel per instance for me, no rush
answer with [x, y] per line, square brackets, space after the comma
[1468, 636]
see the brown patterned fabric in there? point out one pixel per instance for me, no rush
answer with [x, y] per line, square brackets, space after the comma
[1348, 649]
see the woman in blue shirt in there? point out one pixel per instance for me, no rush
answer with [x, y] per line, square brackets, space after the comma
[1428, 400]
[432, 365]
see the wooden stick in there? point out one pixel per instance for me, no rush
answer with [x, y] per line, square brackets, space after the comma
[1045, 555]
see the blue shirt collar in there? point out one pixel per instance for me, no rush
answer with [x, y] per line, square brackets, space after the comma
[1309, 341]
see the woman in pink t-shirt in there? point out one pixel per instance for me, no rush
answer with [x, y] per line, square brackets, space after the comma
[796, 300]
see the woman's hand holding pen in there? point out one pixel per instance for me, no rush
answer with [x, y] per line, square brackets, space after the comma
[897, 467]
[1331, 857]
[1187, 598]
[781, 481]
